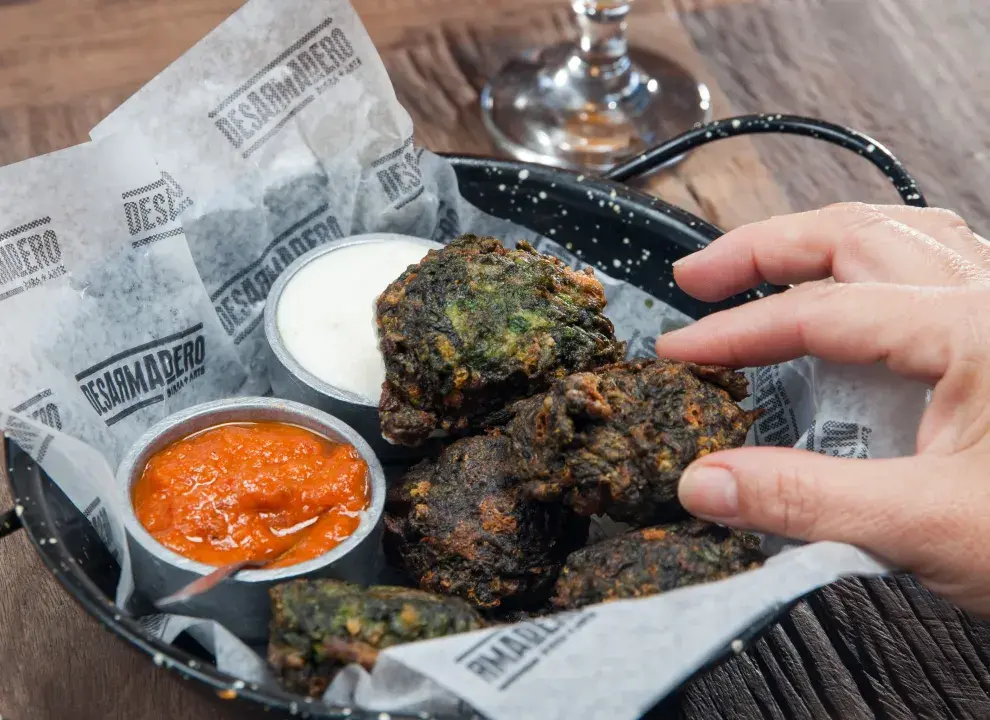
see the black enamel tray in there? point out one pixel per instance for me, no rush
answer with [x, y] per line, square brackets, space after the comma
[601, 214]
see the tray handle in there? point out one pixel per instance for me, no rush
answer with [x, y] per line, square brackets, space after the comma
[10, 522]
[844, 137]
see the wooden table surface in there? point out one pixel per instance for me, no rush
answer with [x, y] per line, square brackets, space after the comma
[913, 73]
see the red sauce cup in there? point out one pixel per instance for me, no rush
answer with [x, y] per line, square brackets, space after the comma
[241, 603]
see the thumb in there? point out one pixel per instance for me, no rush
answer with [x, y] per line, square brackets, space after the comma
[906, 510]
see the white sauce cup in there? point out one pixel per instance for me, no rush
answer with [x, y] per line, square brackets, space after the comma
[289, 379]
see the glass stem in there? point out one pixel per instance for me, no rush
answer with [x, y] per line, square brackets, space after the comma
[603, 45]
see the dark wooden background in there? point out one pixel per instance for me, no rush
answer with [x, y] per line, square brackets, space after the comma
[913, 73]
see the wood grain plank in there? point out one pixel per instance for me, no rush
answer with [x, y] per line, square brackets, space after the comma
[831, 680]
[910, 72]
[727, 182]
[928, 637]
[36, 130]
[899, 671]
[53, 51]
[732, 691]
[57, 662]
[780, 663]
[15, 135]
[57, 52]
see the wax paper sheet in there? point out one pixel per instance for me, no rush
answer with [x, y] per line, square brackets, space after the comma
[113, 326]
[277, 133]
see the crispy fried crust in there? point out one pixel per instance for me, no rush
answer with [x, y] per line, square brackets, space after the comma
[652, 561]
[320, 626]
[463, 526]
[475, 326]
[615, 441]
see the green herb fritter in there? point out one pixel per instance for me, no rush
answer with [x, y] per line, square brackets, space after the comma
[321, 626]
[615, 441]
[464, 526]
[652, 561]
[475, 326]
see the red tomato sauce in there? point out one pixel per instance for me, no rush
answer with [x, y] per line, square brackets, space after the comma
[252, 491]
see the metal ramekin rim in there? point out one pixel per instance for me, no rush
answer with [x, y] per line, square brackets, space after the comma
[273, 335]
[133, 464]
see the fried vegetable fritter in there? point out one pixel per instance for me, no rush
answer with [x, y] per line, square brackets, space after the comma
[652, 561]
[616, 440]
[475, 326]
[463, 526]
[320, 626]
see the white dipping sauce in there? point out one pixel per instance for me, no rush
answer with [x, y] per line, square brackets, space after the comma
[326, 315]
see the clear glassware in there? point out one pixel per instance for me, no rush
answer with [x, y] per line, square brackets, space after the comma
[592, 104]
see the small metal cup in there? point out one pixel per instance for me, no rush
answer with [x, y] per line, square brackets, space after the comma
[291, 380]
[241, 603]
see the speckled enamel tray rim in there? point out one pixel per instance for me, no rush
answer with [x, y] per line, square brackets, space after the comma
[25, 477]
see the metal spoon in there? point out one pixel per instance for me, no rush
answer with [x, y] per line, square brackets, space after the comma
[208, 582]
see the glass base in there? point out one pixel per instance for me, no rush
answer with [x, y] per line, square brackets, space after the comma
[552, 107]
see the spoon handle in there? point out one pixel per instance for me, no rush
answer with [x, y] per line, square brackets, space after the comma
[208, 582]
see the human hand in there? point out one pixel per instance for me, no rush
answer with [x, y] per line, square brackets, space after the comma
[911, 289]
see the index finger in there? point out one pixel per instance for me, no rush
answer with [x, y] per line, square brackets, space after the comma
[850, 242]
[911, 329]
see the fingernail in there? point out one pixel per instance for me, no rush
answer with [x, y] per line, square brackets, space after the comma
[709, 492]
[678, 263]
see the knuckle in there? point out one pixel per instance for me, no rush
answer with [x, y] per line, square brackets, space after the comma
[820, 289]
[970, 335]
[788, 500]
[970, 339]
[958, 227]
[851, 209]
[950, 219]
[854, 223]
[818, 298]
[816, 305]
